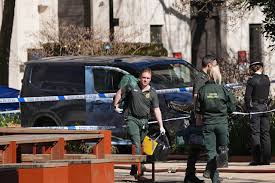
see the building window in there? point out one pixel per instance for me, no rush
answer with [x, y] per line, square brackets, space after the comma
[255, 42]
[72, 12]
[155, 33]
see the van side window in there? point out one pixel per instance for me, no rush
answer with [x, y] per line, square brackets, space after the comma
[106, 81]
[62, 78]
[174, 75]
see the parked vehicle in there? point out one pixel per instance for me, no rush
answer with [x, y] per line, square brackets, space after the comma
[76, 75]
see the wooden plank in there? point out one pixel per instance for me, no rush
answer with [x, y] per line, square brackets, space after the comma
[35, 157]
[103, 146]
[21, 130]
[58, 150]
[116, 158]
[82, 161]
[39, 138]
[47, 157]
[33, 165]
[80, 156]
[126, 158]
[9, 154]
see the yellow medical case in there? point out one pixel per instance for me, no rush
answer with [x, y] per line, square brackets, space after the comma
[149, 145]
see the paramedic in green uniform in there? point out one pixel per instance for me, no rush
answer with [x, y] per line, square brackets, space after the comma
[194, 150]
[214, 103]
[141, 98]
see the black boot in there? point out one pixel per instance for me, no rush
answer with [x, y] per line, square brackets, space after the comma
[134, 170]
[192, 178]
[215, 177]
[206, 174]
[222, 157]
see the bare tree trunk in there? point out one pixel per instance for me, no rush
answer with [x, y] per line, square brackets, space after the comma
[197, 33]
[5, 40]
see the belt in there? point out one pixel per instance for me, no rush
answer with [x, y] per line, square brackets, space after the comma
[140, 117]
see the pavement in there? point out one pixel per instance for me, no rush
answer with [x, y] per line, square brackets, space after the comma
[173, 172]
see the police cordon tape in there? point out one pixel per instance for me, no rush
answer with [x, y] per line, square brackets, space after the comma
[90, 97]
[105, 127]
[10, 112]
[235, 113]
[170, 119]
[95, 97]
[76, 127]
[251, 113]
[108, 98]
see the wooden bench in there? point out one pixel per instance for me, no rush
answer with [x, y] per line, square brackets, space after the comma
[87, 170]
[34, 173]
[59, 171]
[104, 151]
[115, 158]
[57, 137]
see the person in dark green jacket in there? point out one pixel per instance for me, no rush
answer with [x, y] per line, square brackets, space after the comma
[141, 99]
[214, 103]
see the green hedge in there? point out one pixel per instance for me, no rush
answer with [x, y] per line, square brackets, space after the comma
[240, 135]
[149, 49]
[9, 120]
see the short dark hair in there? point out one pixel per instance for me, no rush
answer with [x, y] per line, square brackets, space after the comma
[145, 70]
[207, 59]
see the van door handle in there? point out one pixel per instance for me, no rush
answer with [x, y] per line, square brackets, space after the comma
[99, 102]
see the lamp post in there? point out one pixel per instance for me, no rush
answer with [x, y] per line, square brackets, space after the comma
[107, 47]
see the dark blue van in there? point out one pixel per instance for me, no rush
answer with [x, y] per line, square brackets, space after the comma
[80, 75]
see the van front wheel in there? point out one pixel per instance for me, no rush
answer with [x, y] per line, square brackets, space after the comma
[44, 121]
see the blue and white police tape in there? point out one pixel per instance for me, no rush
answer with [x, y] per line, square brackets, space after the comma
[252, 113]
[170, 119]
[75, 127]
[239, 85]
[89, 97]
[99, 96]
[234, 85]
[95, 97]
[98, 127]
[10, 112]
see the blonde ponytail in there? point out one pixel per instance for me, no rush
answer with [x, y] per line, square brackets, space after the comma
[215, 74]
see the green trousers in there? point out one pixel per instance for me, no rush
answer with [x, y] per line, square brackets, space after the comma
[137, 130]
[215, 135]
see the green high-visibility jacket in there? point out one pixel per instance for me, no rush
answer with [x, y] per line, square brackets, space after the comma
[215, 102]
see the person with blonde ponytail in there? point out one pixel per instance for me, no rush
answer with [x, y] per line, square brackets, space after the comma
[214, 103]
[195, 147]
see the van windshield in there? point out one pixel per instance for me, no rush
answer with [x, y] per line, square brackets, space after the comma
[172, 76]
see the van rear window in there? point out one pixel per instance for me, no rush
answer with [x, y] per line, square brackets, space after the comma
[59, 77]
[106, 81]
